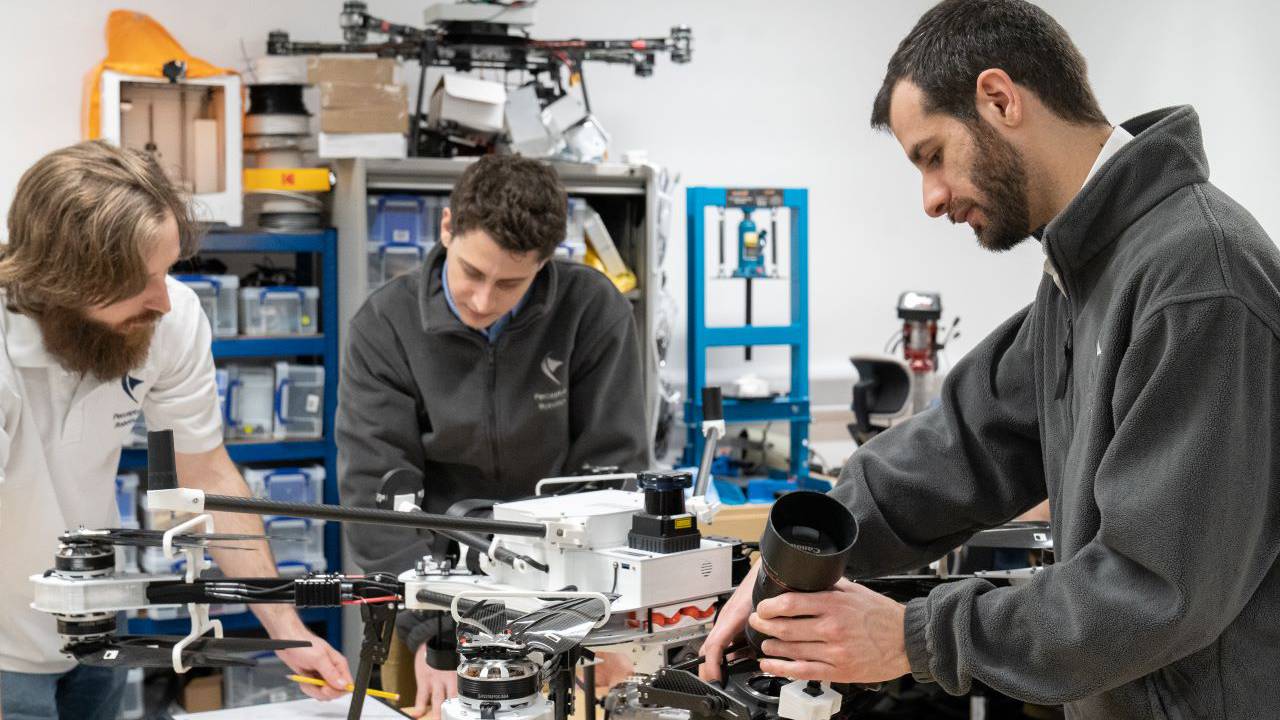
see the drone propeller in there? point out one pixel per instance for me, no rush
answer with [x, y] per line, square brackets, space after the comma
[155, 538]
[157, 651]
[558, 627]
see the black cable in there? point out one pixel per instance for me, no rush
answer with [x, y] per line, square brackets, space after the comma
[424, 62]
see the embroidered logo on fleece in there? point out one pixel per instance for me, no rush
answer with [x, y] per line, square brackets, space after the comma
[549, 367]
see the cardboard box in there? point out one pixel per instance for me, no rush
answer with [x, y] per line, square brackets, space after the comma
[364, 120]
[369, 71]
[470, 102]
[202, 694]
[345, 94]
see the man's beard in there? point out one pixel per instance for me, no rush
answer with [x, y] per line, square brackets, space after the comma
[1000, 176]
[88, 346]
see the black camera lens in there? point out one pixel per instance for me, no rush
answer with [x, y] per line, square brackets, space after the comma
[804, 548]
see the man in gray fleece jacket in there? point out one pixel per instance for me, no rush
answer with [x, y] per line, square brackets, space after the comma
[491, 368]
[1139, 393]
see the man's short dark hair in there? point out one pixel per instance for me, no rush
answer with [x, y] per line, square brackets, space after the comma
[519, 202]
[956, 40]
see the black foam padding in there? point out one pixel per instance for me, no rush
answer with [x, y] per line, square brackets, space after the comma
[712, 403]
[441, 654]
[162, 464]
[276, 100]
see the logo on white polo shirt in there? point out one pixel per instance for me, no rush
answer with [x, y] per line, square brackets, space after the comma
[128, 383]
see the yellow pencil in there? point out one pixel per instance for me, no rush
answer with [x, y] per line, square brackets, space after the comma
[394, 697]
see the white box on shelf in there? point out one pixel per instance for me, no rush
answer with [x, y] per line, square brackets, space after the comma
[602, 242]
[299, 401]
[287, 484]
[250, 402]
[218, 299]
[379, 146]
[280, 310]
[469, 102]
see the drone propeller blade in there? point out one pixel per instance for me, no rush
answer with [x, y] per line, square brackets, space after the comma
[558, 627]
[487, 615]
[155, 538]
[157, 651]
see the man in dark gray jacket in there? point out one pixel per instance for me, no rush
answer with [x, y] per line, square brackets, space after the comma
[491, 368]
[1139, 392]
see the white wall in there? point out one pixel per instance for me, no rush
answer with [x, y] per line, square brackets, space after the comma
[778, 93]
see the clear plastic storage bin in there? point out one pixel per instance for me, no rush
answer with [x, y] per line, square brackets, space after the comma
[250, 412]
[402, 229]
[131, 707]
[127, 555]
[266, 682]
[221, 379]
[280, 310]
[298, 568]
[138, 434]
[217, 295]
[296, 540]
[574, 245]
[153, 561]
[127, 498]
[179, 612]
[299, 401]
[287, 484]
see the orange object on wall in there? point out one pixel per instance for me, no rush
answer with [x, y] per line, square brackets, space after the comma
[136, 45]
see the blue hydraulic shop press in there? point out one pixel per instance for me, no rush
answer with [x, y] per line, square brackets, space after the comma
[757, 259]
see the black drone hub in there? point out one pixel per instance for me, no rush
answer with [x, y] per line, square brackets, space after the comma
[664, 526]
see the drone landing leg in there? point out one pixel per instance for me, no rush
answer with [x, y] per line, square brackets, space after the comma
[379, 624]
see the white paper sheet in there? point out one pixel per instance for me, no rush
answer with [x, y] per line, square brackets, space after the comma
[297, 709]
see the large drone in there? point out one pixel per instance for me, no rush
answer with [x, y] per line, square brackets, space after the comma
[618, 570]
[483, 35]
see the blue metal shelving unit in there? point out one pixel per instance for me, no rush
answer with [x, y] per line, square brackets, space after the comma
[325, 245]
[793, 407]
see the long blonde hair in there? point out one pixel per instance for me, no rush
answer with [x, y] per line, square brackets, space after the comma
[83, 220]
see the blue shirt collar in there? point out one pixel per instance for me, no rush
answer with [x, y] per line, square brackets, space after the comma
[491, 332]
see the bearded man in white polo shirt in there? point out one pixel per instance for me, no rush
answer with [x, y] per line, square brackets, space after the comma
[92, 332]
